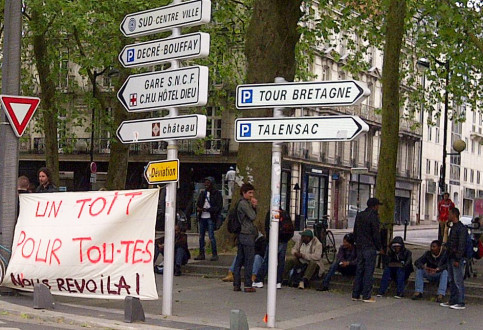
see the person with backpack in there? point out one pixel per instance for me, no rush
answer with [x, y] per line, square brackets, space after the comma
[456, 247]
[209, 205]
[246, 212]
[345, 262]
[285, 233]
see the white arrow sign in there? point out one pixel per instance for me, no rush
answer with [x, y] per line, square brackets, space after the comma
[190, 13]
[185, 87]
[161, 129]
[327, 128]
[301, 94]
[187, 46]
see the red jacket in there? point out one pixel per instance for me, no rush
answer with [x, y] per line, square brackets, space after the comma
[444, 206]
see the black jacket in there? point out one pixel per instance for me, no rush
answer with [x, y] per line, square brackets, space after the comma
[282, 237]
[457, 241]
[366, 230]
[430, 261]
[216, 203]
[402, 259]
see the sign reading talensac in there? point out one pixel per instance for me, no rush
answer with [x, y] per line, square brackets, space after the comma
[86, 244]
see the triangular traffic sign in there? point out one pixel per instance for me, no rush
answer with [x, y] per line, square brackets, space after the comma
[19, 111]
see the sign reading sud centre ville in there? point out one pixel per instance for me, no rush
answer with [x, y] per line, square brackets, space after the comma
[327, 128]
[189, 13]
[96, 244]
[301, 94]
[150, 91]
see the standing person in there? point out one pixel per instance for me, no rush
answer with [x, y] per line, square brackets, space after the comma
[456, 262]
[209, 206]
[432, 266]
[45, 186]
[23, 184]
[246, 213]
[345, 262]
[444, 206]
[230, 180]
[285, 233]
[368, 241]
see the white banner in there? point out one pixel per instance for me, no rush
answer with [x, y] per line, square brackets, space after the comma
[87, 244]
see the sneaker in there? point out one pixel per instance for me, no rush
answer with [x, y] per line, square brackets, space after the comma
[445, 304]
[250, 290]
[301, 285]
[279, 285]
[457, 306]
[236, 288]
[370, 300]
[356, 299]
[200, 257]
[257, 284]
[214, 258]
[378, 295]
[417, 295]
[439, 298]
[399, 296]
[323, 288]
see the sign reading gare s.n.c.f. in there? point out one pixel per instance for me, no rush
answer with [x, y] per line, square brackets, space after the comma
[94, 245]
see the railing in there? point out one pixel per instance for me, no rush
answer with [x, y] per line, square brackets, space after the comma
[102, 146]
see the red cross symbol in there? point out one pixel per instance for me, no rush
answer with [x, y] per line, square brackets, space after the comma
[133, 99]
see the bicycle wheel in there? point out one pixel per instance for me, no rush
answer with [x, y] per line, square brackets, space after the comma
[330, 249]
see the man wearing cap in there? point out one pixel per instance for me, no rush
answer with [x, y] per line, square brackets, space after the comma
[368, 242]
[209, 206]
[308, 251]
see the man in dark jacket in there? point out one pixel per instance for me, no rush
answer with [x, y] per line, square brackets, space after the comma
[432, 266]
[209, 205]
[45, 185]
[345, 262]
[398, 266]
[456, 262]
[246, 213]
[368, 242]
[181, 251]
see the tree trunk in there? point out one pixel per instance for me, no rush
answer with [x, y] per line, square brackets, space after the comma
[270, 51]
[386, 177]
[49, 111]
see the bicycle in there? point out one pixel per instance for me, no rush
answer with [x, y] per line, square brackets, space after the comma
[326, 237]
[3, 261]
[475, 232]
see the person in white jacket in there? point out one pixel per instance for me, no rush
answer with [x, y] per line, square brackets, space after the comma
[307, 251]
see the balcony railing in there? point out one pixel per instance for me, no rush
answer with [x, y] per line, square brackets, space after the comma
[102, 146]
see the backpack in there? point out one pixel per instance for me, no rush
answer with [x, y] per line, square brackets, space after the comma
[469, 252]
[286, 227]
[233, 223]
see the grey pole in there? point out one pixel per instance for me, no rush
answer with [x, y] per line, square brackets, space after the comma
[274, 223]
[170, 214]
[9, 145]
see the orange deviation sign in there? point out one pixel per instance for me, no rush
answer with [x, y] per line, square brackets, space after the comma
[19, 111]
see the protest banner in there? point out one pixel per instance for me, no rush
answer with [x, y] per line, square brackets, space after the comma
[86, 244]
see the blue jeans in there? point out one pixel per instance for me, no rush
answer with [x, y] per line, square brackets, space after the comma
[456, 283]
[399, 274]
[282, 251]
[244, 257]
[366, 263]
[257, 263]
[210, 225]
[180, 255]
[442, 277]
[348, 270]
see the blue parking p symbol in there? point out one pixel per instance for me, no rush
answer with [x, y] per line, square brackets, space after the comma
[246, 130]
[130, 55]
[247, 96]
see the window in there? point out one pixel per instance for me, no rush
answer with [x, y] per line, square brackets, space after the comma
[428, 166]
[436, 167]
[477, 177]
[473, 146]
[436, 134]
[472, 176]
[465, 175]
[213, 129]
[429, 133]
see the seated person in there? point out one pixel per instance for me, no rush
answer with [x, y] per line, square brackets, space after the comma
[398, 265]
[260, 246]
[307, 251]
[181, 251]
[345, 262]
[432, 266]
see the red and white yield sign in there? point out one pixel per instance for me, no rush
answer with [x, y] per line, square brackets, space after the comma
[19, 111]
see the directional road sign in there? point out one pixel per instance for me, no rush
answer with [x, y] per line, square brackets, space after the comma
[301, 94]
[189, 13]
[162, 171]
[187, 46]
[19, 111]
[327, 128]
[185, 87]
[161, 129]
